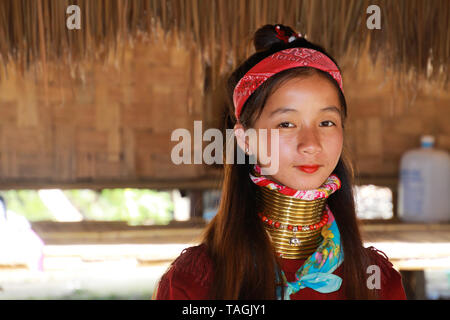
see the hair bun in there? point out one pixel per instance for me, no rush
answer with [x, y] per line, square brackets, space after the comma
[270, 35]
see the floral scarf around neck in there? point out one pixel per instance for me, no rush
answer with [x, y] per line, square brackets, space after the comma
[317, 271]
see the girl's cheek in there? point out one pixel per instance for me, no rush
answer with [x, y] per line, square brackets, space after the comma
[286, 152]
[336, 146]
[267, 142]
[274, 146]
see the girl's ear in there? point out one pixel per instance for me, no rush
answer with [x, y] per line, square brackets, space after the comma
[239, 132]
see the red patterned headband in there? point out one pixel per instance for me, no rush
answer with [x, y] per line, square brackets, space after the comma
[277, 62]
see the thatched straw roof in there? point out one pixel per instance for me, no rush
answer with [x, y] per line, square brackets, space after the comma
[414, 37]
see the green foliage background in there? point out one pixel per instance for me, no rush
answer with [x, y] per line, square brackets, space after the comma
[137, 206]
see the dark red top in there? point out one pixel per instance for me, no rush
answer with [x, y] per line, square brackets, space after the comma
[189, 278]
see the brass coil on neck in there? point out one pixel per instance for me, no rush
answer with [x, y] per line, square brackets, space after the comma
[295, 212]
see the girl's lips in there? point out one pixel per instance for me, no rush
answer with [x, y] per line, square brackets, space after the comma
[308, 169]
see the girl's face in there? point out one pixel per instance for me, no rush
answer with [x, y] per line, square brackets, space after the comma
[307, 112]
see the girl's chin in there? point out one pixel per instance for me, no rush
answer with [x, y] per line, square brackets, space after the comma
[293, 184]
[307, 182]
[300, 180]
[303, 186]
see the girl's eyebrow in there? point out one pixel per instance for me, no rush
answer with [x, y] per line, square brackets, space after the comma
[331, 108]
[282, 110]
[287, 109]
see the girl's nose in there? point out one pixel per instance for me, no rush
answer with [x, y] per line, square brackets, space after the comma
[309, 142]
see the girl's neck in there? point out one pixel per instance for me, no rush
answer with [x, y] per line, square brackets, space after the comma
[292, 218]
[285, 221]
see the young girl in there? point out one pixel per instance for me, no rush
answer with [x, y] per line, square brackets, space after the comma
[291, 234]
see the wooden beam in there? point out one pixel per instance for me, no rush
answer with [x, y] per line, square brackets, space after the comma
[210, 182]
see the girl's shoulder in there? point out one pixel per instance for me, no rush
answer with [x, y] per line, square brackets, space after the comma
[391, 279]
[196, 262]
[188, 277]
[379, 257]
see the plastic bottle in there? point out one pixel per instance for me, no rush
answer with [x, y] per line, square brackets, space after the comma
[424, 185]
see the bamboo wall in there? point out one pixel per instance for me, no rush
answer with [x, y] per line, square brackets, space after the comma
[106, 120]
[102, 124]
[110, 124]
[387, 118]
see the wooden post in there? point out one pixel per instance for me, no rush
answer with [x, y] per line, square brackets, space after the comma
[394, 203]
[414, 284]
[196, 212]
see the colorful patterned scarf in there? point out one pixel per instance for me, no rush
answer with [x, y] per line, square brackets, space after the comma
[317, 271]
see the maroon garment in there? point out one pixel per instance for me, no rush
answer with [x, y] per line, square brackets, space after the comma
[190, 276]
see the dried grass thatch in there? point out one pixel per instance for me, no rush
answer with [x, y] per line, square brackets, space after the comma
[414, 38]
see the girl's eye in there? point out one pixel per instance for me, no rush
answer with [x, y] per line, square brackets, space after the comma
[285, 125]
[290, 125]
[330, 123]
